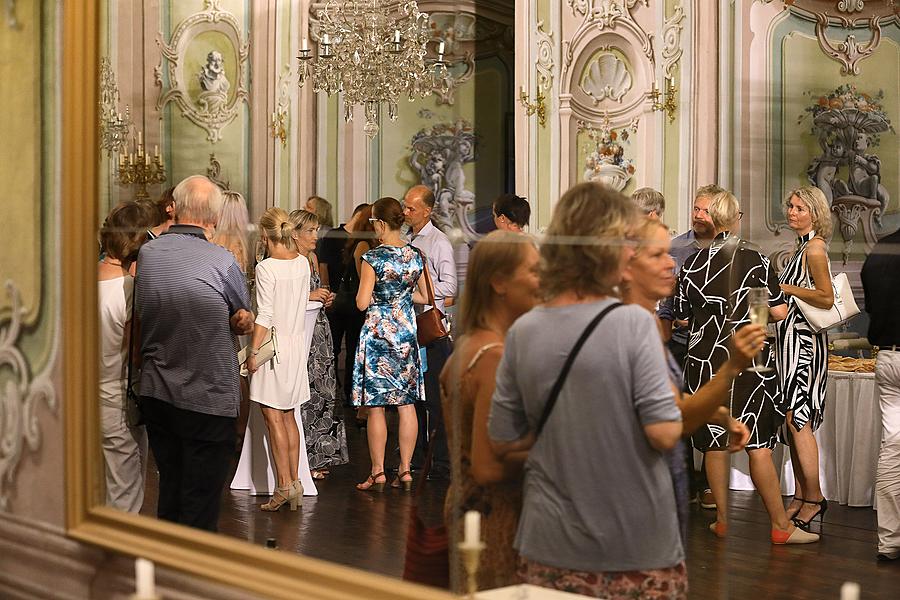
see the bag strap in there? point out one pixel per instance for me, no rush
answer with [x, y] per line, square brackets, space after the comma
[428, 284]
[131, 336]
[557, 386]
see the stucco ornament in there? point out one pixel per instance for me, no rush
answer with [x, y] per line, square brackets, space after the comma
[20, 396]
[849, 52]
[438, 155]
[219, 99]
[607, 77]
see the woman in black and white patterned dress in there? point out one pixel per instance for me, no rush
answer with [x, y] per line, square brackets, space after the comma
[323, 425]
[803, 354]
[712, 295]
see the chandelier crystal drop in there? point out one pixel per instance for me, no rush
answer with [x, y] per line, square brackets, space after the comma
[373, 52]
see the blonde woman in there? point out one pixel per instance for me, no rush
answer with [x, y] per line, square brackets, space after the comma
[601, 528]
[712, 295]
[502, 285]
[233, 227]
[802, 353]
[323, 427]
[279, 387]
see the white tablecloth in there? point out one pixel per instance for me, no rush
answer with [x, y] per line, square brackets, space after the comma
[526, 592]
[255, 471]
[849, 440]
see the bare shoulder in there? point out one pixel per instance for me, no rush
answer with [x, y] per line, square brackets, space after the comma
[817, 247]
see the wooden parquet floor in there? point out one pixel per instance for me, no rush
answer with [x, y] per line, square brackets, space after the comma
[367, 531]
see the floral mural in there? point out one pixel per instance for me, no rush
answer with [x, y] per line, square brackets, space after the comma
[605, 161]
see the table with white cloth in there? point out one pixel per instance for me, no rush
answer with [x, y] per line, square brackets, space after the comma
[255, 471]
[849, 439]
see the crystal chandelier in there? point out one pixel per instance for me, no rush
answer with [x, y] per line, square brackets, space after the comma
[374, 52]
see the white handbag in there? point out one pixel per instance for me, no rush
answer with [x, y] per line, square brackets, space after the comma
[267, 351]
[843, 309]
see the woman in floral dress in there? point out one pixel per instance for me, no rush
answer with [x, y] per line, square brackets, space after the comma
[387, 371]
[323, 426]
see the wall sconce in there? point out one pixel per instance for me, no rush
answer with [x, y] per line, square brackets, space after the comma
[534, 108]
[670, 103]
[278, 126]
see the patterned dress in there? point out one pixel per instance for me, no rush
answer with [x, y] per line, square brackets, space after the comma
[323, 426]
[712, 295]
[802, 354]
[499, 503]
[387, 370]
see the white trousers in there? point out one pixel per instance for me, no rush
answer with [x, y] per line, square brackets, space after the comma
[887, 476]
[125, 453]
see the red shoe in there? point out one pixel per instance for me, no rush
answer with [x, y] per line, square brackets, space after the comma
[794, 536]
[719, 528]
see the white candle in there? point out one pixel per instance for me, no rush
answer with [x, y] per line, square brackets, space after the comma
[325, 39]
[140, 138]
[147, 159]
[441, 47]
[671, 82]
[155, 150]
[143, 579]
[304, 45]
[472, 528]
[396, 36]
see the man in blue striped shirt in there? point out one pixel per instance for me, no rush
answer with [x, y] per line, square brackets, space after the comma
[191, 298]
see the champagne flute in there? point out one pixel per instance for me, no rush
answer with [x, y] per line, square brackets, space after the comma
[758, 301]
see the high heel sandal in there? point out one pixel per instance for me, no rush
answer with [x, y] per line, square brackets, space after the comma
[370, 485]
[406, 484]
[286, 495]
[797, 510]
[804, 525]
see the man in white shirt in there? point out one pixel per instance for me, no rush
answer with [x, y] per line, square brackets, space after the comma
[438, 251]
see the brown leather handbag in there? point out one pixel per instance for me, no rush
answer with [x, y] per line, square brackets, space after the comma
[430, 323]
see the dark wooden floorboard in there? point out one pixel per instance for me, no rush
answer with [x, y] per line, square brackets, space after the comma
[367, 531]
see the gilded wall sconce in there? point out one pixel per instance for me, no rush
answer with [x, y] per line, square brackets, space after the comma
[670, 103]
[278, 126]
[534, 108]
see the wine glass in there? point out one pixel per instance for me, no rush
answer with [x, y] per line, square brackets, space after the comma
[758, 301]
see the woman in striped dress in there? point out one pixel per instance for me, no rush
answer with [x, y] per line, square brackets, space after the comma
[803, 354]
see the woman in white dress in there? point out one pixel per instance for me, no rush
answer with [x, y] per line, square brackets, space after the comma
[124, 447]
[280, 385]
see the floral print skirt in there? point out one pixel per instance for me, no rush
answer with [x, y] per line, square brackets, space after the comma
[652, 584]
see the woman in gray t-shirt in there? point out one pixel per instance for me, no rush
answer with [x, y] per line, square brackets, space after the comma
[597, 492]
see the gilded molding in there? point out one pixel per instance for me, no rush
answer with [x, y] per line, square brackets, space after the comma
[19, 400]
[212, 109]
[849, 52]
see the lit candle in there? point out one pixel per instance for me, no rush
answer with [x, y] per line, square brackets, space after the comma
[143, 579]
[325, 39]
[304, 45]
[396, 36]
[441, 47]
[472, 528]
[156, 150]
[140, 138]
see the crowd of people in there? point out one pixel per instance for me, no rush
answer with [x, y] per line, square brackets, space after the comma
[606, 339]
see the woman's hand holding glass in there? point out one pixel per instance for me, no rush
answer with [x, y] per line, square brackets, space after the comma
[746, 343]
[323, 295]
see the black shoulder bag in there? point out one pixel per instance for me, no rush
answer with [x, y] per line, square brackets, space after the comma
[567, 366]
